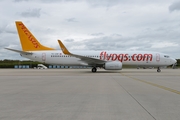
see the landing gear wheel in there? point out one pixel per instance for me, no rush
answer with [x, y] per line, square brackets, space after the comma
[158, 70]
[94, 69]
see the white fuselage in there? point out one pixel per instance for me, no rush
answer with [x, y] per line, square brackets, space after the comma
[139, 58]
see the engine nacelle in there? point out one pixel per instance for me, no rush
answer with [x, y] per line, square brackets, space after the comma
[113, 65]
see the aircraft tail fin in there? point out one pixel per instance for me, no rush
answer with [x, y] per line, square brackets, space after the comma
[28, 41]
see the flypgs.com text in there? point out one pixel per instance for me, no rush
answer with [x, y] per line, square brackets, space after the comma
[125, 57]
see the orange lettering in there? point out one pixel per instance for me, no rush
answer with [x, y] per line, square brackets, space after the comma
[30, 37]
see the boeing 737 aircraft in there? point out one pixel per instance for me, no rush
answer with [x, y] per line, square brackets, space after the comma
[109, 60]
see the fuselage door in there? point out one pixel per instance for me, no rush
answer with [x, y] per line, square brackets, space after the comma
[157, 57]
[44, 57]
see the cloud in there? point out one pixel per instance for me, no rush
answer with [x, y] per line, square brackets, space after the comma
[97, 34]
[32, 13]
[20, 0]
[47, 1]
[111, 42]
[1, 30]
[94, 25]
[10, 29]
[2, 27]
[71, 20]
[106, 3]
[69, 40]
[175, 6]
[164, 45]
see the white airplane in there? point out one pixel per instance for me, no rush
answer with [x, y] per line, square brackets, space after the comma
[109, 60]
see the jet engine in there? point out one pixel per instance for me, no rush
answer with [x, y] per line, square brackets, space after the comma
[113, 65]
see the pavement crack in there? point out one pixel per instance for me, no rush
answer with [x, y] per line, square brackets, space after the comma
[134, 99]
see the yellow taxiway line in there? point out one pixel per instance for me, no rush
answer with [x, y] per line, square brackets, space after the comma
[153, 84]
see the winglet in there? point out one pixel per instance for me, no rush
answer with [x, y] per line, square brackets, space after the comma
[64, 49]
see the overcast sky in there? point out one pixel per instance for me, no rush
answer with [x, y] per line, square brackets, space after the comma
[148, 25]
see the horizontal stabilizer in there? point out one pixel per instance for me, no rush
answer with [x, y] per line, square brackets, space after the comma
[18, 51]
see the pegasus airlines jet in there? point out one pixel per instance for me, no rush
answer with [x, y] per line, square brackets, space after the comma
[109, 60]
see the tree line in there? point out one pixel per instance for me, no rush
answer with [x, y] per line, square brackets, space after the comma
[11, 63]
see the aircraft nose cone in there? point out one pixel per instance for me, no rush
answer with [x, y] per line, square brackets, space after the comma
[174, 61]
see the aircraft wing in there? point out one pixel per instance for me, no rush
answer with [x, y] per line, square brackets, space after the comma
[19, 51]
[88, 60]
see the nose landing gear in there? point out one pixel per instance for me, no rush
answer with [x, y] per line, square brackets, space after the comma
[158, 69]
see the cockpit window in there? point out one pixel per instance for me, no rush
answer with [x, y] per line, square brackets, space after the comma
[166, 56]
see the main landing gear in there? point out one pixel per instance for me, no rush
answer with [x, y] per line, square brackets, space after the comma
[94, 69]
[158, 69]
